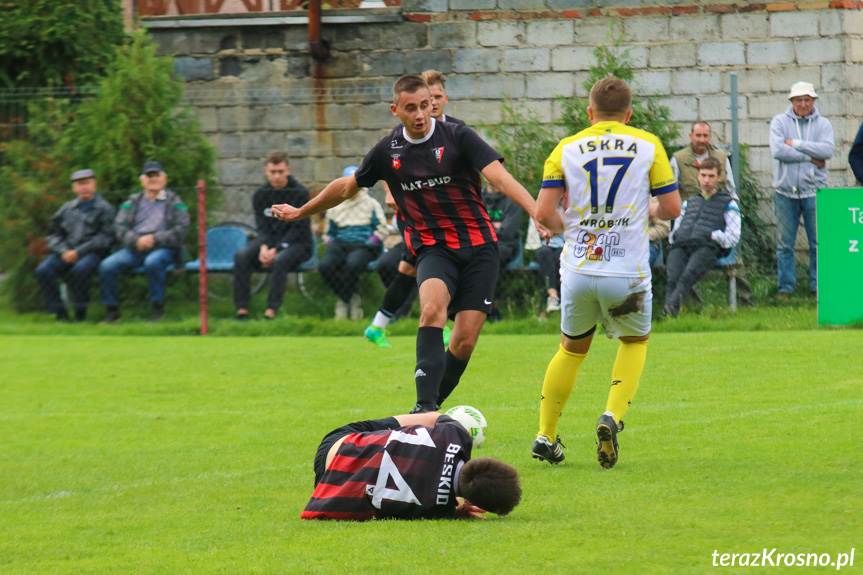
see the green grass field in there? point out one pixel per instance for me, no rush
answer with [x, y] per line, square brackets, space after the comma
[193, 455]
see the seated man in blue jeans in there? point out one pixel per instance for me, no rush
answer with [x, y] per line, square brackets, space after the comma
[151, 226]
[355, 232]
[706, 229]
[79, 236]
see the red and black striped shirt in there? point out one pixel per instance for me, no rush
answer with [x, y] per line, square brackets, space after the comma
[436, 183]
[406, 473]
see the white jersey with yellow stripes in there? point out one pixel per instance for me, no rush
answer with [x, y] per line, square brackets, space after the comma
[609, 172]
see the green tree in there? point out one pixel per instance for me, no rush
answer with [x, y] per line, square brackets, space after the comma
[524, 141]
[46, 42]
[136, 116]
[647, 114]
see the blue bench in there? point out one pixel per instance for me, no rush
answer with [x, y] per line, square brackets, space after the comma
[222, 243]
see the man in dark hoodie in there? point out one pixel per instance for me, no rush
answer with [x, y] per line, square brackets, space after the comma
[280, 247]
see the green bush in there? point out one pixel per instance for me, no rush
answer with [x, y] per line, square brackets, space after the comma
[647, 114]
[524, 141]
[57, 41]
[757, 247]
[136, 116]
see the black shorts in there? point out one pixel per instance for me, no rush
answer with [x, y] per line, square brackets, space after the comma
[409, 258]
[470, 274]
[356, 427]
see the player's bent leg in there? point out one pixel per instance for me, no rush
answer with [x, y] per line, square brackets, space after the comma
[626, 375]
[434, 300]
[467, 327]
[407, 269]
[557, 386]
[627, 305]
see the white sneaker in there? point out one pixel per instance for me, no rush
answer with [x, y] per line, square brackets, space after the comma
[552, 304]
[341, 310]
[355, 307]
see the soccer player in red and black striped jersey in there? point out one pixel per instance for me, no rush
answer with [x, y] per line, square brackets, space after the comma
[402, 285]
[434, 172]
[408, 467]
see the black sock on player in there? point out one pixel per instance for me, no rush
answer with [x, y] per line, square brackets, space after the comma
[430, 366]
[453, 370]
[397, 293]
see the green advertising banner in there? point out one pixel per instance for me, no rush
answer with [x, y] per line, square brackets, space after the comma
[840, 255]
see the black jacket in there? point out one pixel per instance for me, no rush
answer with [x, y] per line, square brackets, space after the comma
[701, 218]
[85, 232]
[273, 232]
[502, 209]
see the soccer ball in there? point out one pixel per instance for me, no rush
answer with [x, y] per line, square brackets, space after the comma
[472, 420]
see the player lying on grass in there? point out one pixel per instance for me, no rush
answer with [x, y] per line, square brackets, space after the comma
[414, 466]
[433, 171]
[607, 174]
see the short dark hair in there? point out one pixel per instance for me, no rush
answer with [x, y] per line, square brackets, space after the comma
[433, 77]
[710, 163]
[610, 97]
[699, 123]
[409, 83]
[277, 157]
[490, 484]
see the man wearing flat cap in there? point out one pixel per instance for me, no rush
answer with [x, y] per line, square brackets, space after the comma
[801, 141]
[79, 236]
[151, 228]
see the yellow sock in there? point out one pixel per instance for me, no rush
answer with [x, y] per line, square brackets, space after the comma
[556, 387]
[625, 377]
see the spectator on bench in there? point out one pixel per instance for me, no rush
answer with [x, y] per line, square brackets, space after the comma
[355, 233]
[505, 217]
[280, 247]
[151, 226]
[79, 236]
[684, 164]
[706, 229]
[658, 230]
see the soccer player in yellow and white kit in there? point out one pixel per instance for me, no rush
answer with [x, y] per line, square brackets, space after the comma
[606, 175]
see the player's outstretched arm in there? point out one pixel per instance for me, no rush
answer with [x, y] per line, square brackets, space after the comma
[428, 419]
[547, 213]
[335, 193]
[501, 179]
[668, 207]
[467, 510]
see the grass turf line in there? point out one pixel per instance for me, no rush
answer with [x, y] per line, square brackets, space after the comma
[159, 455]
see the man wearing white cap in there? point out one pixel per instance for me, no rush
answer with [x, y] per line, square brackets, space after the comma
[801, 141]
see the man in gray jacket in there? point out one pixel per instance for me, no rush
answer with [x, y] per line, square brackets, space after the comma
[79, 236]
[801, 141]
[151, 226]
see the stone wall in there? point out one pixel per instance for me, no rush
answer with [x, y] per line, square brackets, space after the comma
[256, 88]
